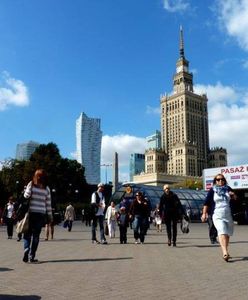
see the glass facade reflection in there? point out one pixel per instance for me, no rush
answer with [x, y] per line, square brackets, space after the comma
[192, 200]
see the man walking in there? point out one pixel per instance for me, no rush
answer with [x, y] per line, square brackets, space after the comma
[70, 215]
[98, 207]
[171, 211]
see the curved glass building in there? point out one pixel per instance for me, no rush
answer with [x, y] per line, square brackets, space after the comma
[89, 140]
[192, 200]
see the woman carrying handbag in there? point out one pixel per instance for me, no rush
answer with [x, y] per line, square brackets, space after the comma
[40, 205]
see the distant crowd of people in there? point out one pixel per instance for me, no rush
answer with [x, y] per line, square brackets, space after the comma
[135, 213]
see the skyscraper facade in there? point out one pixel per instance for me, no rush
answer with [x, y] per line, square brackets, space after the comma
[154, 141]
[25, 150]
[88, 146]
[136, 164]
[184, 123]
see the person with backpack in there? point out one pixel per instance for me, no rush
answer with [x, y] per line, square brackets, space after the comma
[97, 212]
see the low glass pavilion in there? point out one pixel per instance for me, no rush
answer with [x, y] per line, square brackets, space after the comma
[192, 200]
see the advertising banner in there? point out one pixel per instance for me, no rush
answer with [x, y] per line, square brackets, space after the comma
[236, 176]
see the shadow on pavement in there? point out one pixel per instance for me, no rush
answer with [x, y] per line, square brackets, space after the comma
[238, 242]
[5, 269]
[15, 297]
[83, 260]
[62, 240]
[238, 258]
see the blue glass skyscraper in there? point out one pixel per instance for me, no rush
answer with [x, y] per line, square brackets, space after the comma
[136, 164]
[25, 150]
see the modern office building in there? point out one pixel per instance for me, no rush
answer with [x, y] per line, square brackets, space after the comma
[136, 164]
[184, 123]
[25, 150]
[88, 146]
[154, 141]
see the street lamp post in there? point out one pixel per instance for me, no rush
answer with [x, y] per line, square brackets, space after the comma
[17, 189]
[76, 194]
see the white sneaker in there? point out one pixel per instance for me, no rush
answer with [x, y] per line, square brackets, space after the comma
[137, 242]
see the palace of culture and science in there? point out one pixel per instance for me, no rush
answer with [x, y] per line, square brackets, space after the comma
[184, 151]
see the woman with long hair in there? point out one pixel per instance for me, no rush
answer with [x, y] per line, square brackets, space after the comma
[217, 203]
[39, 205]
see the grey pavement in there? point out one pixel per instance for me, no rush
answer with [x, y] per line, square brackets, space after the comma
[71, 267]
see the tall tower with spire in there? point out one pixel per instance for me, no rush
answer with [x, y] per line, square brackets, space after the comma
[184, 123]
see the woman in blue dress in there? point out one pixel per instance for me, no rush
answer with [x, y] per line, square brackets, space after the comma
[217, 204]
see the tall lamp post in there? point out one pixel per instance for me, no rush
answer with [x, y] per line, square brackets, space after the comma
[106, 171]
[76, 195]
[17, 189]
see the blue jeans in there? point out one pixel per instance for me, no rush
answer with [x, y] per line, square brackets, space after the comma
[99, 219]
[32, 237]
[139, 227]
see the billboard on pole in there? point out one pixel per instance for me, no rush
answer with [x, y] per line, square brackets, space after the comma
[236, 176]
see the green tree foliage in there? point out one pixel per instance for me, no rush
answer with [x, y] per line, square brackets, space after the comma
[65, 177]
[193, 184]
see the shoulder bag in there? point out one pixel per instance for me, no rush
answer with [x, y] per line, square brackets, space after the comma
[184, 225]
[22, 225]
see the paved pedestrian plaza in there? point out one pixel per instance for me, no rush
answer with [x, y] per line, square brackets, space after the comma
[71, 267]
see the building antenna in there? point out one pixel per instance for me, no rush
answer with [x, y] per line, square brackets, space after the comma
[181, 42]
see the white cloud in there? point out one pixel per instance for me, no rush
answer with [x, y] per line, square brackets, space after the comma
[153, 110]
[217, 93]
[13, 92]
[233, 17]
[194, 71]
[245, 64]
[175, 5]
[74, 154]
[228, 122]
[124, 145]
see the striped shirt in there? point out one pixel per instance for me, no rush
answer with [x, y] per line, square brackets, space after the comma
[40, 200]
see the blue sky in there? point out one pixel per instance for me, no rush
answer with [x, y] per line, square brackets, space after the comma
[112, 59]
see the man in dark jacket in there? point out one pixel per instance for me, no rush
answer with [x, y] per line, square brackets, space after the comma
[171, 211]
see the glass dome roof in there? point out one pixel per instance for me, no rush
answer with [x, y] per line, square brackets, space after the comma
[192, 200]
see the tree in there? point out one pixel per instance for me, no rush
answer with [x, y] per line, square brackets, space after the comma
[193, 184]
[65, 176]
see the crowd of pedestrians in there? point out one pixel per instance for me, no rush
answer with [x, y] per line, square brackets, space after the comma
[135, 213]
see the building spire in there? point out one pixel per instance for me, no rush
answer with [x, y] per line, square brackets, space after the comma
[181, 42]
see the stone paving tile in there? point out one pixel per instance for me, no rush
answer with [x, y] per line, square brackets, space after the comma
[72, 268]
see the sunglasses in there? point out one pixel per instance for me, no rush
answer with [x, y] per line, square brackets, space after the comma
[219, 179]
